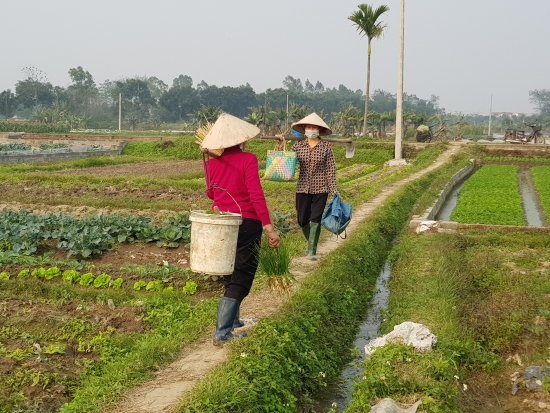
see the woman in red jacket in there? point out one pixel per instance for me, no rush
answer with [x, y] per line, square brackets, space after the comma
[234, 186]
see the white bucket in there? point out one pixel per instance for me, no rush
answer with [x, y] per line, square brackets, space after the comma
[213, 242]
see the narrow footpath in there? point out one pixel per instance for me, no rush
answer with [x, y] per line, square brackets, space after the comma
[164, 392]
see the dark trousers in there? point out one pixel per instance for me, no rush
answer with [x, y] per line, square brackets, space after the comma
[238, 284]
[310, 207]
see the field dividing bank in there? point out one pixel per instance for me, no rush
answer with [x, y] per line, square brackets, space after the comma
[296, 353]
[485, 296]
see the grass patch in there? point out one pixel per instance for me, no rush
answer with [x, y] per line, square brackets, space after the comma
[80, 163]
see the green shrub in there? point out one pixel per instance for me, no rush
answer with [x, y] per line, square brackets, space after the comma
[33, 127]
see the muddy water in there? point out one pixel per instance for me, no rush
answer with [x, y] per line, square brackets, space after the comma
[530, 203]
[450, 203]
[341, 392]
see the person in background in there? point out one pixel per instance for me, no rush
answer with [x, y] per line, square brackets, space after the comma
[233, 183]
[316, 179]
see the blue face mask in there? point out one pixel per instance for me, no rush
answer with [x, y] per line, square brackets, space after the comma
[312, 133]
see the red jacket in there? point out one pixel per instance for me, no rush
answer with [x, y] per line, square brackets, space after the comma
[236, 172]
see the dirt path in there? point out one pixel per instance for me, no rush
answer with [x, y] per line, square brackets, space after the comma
[165, 391]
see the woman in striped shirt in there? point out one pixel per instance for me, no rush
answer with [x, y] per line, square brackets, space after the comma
[316, 179]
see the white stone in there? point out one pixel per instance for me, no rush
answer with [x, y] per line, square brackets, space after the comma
[389, 406]
[408, 333]
[426, 226]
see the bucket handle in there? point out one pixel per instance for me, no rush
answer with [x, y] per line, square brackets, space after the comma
[214, 186]
[210, 185]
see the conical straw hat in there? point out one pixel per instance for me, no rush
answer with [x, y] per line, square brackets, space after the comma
[228, 131]
[312, 119]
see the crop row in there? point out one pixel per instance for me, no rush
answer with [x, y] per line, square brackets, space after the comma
[88, 279]
[22, 231]
[9, 147]
[491, 196]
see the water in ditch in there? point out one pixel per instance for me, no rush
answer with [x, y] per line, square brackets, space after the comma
[450, 203]
[340, 393]
[529, 197]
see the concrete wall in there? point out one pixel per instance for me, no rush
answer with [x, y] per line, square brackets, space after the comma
[457, 178]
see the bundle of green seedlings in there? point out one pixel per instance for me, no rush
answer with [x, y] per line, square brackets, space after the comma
[274, 264]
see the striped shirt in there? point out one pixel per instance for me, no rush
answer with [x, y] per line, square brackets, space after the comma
[317, 168]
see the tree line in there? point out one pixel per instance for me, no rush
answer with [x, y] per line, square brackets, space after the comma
[149, 102]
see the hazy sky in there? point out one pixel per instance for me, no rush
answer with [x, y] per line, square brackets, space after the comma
[459, 50]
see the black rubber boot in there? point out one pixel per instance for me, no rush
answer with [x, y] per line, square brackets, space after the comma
[227, 310]
[314, 233]
[238, 322]
[305, 230]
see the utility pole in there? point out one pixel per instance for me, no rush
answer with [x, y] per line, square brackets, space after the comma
[490, 116]
[398, 159]
[286, 112]
[119, 111]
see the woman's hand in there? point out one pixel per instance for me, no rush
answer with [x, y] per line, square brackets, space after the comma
[274, 239]
[272, 236]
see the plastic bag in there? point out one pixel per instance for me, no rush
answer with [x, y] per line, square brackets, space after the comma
[337, 215]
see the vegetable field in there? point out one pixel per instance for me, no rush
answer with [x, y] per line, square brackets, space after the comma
[95, 286]
[491, 196]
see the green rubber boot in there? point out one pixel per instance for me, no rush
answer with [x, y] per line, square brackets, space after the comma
[227, 311]
[237, 323]
[314, 233]
[305, 230]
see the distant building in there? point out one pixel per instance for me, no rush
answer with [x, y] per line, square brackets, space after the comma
[509, 115]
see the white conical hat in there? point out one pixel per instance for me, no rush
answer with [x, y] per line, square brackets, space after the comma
[312, 119]
[228, 131]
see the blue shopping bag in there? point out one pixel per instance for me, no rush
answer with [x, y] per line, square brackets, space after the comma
[337, 215]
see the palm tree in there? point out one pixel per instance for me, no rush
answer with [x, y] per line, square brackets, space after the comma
[366, 20]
